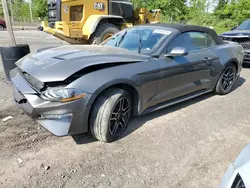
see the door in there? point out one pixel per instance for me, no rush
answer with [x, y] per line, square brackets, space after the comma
[184, 75]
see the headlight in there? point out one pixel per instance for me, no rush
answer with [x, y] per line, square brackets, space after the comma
[62, 94]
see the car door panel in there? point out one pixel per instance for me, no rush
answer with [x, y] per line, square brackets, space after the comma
[187, 74]
[184, 75]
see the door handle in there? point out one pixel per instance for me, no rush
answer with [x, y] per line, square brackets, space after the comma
[207, 58]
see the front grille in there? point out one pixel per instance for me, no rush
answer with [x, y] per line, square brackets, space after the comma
[244, 42]
[33, 82]
[247, 57]
[245, 45]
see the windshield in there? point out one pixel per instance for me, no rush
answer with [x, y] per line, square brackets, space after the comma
[244, 26]
[141, 40]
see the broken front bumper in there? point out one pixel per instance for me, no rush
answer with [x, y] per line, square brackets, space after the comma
[59, 118]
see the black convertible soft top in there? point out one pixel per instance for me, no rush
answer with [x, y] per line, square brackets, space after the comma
[182, 28]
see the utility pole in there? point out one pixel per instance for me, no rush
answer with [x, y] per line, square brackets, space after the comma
[8, 23]
[31, 16]
[11, 12]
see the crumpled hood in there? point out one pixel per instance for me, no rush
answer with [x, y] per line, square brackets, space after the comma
[57, 64]
[237, 33]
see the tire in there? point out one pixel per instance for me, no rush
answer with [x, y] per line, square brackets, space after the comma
[1, 27]
[103, 32]
[107, 124]
[226, 80]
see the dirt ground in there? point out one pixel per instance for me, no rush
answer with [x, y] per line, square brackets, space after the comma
[188, 145]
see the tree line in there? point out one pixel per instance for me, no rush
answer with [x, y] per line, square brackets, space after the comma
[220, 14]
[21, 12]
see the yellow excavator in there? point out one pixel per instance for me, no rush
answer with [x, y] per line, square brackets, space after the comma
[93, 21]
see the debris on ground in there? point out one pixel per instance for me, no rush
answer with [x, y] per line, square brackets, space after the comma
[109, 183]
[7, 118]
[88, 176]
[45, 167]
[20, 161]
[73, 171]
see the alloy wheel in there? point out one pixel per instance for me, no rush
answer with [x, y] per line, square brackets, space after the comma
[119, 117]
[228, 78]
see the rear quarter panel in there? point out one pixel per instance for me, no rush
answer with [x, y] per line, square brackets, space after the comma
[230, 52]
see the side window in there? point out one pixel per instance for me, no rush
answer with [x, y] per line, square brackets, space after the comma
[198, 40]
[190, 41]
[210, 41]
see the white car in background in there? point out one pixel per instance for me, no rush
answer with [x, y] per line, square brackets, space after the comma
[238, 174]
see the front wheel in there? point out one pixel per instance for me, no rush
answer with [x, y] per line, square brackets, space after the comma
[226, 80]
[110, 115]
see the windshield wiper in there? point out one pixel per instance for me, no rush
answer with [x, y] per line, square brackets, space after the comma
[117, 44]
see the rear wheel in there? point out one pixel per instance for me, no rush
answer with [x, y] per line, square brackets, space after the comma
[103, 32]
[110, 115]
[226, 80]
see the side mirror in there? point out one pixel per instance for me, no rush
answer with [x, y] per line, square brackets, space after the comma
[177, 51]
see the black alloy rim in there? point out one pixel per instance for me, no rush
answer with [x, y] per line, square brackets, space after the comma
[119, 117]
[228, 78]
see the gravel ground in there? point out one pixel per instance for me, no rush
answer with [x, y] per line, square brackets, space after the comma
[188, 145]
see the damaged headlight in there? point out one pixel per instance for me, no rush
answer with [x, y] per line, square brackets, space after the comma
[62, 94]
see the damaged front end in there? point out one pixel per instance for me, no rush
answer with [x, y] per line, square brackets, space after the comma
[244, 41]
[37, 85]
[46, 87]
[52, 105]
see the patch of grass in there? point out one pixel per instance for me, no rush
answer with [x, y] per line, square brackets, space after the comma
[220, 30]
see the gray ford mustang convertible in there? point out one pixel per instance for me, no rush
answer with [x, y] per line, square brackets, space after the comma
[77, 89]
